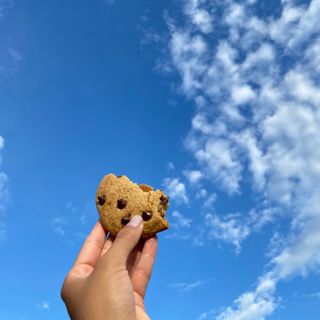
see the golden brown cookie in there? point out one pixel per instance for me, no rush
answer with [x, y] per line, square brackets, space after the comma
[118, 200]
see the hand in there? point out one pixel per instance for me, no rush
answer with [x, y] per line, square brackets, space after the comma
[109, 277]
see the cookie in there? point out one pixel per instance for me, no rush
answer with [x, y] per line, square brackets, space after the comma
[118, 199]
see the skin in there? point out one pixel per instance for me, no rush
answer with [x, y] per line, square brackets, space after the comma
[110, 276]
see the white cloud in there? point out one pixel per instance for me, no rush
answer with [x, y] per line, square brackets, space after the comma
[235, 228]
[302, 255]
[282, 29]
[45, 305]
[242, 95]
[259, 117]
[254, 305]
[3, 231]
[312, 295]
[220, 160]
[71, 207]
[200, 123]
[199, 16]
[210, 201]
[228, 230]
[15, 54]
[176, 189]
[59, 224]
[187, 53]
[301, 87]
[297, 24]
[170, 166]
[189, 286]
[179, 221]
[312, 55]
[4, 196]
[264, 55]
[235, 15]
[73, 221]
[207, 315]
[258, 164]
[308, 25]
[4, 5]
[202, 193]
[193, 176]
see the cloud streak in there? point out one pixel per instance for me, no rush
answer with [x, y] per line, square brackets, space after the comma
[4, 196]
[189, 286]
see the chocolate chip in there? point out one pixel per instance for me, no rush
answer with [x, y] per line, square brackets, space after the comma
[102, 200]
[144, 187]
[121, 203]
[146, 215]
[119, 176]
[164, 200]
[125, 220]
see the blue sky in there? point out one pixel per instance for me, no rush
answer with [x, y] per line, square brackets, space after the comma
[215, 102]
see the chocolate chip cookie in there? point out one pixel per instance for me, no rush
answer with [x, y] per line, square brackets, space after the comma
[118, 199]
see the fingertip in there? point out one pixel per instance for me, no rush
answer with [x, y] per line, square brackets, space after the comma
[92, 246]
[153, 239]
[151, 245]
[135, 222]
[127, 239]
[99, 225]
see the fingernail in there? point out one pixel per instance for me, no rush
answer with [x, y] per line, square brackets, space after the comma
[135, 221]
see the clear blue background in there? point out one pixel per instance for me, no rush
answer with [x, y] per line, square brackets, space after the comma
[86, 100]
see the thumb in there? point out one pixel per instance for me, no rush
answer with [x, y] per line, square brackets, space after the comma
[126, 240]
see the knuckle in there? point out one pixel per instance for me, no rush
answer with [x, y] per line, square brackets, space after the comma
[114, 263]
[141, 273]
[66, 287]
[64, 291]
[110, 262]
[94, 242]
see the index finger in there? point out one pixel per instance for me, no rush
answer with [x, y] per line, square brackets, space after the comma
[92, 247]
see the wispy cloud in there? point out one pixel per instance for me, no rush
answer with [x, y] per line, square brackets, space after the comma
[193, 176]
[4, 196]
[234, 228]
[180, 221]
[210, 200]
[199, 15]
[207, 315]
[228, 230]
[45, 305]
[15, 54]
[258, 121]
[314, 295]
[189, 286]
[179, 224]
[4, 5]
[3, 231]
[72, 223]
[10, 55]
[59, 224]
[170, 166]
[176, 189]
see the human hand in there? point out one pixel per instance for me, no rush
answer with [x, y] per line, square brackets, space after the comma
[109, 277]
